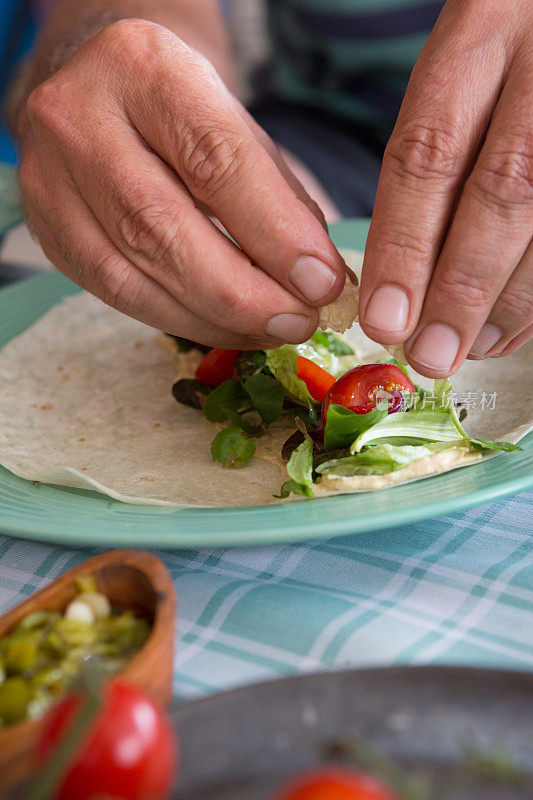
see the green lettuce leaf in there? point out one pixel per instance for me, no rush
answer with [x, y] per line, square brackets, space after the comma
[443, 388]
[300, 470]
[432, 426]
[343, 425]
[383, 458]
[332, 342]
[282, 364]
[436, 422]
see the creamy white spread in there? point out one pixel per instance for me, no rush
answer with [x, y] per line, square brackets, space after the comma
[421, 468]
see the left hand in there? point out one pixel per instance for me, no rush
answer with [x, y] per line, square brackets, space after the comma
[449, 259]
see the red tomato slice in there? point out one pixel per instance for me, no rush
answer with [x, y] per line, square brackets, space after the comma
[318, 381]
[358, 388]
[216, 366]
[129, 752]
[335, 784]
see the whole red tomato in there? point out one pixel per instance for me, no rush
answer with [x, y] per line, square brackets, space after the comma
[359, 388]
[129, 752]
[335, 784]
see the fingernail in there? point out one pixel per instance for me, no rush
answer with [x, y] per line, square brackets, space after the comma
[288, 327]
[436, 346]
[486, 339]
[388, 309]
[312, 277]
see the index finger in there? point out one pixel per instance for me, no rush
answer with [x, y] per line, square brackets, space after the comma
[441, 122]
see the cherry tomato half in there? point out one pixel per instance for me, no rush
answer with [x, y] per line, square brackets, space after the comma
[335, 784]
[216, 366]
[359, 388]
[317, 380]
[129, 752]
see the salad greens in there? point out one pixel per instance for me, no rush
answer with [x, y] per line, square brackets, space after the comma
[265, 387]
[300, 470]
[282, 364]
[343, 425]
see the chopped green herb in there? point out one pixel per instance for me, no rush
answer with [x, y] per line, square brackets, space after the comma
[229, 394]
[267, 396]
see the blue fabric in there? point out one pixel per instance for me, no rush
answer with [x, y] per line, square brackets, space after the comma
[17, 31]
[345, 158]
[457, 589]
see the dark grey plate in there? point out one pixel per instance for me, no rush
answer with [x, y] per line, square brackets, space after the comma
[242, 745]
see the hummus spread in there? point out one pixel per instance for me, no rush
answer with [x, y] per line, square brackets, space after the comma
[421, 468]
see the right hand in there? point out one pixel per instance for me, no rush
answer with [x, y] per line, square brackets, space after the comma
[123, 147]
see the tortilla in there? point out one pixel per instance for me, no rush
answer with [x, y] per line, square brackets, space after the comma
[85, 401]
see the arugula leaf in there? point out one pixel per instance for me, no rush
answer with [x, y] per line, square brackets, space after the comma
[232, 448]
[250, 362]
[343, 425]
[267, 396]
[282, 364]
[335, 344]
[300, 468]
[381, 459]
[229, 394]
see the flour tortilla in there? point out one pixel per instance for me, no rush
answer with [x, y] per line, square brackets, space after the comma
[85, 401]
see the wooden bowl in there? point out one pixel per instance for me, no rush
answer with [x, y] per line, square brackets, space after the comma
[131, 579]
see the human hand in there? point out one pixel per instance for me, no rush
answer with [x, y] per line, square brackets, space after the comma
[120, 148]
[449, 260]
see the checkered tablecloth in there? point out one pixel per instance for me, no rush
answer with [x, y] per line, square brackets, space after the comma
[457, 589]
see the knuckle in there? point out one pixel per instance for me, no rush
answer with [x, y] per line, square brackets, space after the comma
[516, 302]
[149, 230]
[237, 304]
[49, 107]
[42, 102]
[129, 36]
[210, 160]
[423, 150]
[504, 177]
[463, 286]
[401, 248]
[116, 284]
[27, 176]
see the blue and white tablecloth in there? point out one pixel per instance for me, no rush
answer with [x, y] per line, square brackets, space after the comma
[457, 590]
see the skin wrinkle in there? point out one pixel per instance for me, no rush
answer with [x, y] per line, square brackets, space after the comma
[454, 180]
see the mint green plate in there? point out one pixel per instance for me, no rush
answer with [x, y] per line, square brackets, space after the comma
[75, 517]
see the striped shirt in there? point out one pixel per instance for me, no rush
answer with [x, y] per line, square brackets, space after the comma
[351, 58]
